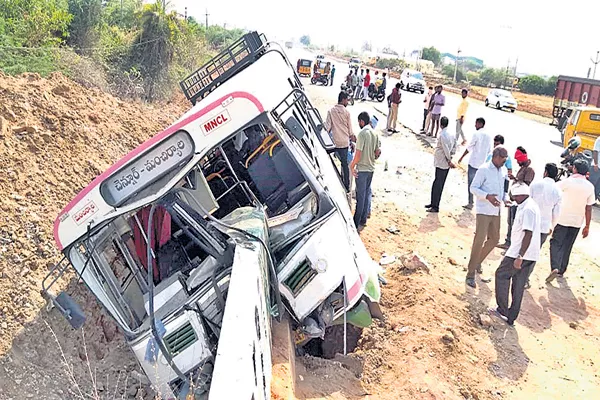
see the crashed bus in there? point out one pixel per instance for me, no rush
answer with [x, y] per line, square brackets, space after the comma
[233, 215]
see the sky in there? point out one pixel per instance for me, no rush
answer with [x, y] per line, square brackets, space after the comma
[546, 40]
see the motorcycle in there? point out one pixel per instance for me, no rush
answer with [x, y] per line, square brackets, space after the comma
[319, 78]
[349, 91]
[569, 156]
[376, 93]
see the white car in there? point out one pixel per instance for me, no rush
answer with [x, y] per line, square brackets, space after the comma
[501, 99]
[355, 62]
[412, 81]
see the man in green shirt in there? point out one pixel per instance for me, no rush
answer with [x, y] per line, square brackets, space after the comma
[368, 148]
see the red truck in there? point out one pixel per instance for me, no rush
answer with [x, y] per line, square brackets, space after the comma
[572, 92]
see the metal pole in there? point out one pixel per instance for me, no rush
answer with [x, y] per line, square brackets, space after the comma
[456, 64]
[512, 84]
[206, 14]
[345, 322]
[596, 63]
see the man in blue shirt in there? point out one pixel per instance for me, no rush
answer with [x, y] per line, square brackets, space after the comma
[488, 187]
[499, 141]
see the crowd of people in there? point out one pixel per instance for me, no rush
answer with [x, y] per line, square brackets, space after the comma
[535, 209]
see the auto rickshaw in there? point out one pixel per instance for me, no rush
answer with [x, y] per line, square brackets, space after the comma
[303, 67]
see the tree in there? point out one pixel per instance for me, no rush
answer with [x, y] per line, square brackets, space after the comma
[432, 54]
[551, 85]
[305, 40]
[533, 84]
[83, 29]
[448, 71]
[367, 46]
[35, 23]
[491, 76]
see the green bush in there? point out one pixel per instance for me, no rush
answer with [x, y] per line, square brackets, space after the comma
[124, 46]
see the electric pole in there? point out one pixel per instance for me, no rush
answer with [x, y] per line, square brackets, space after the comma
[456, 64]
[595, 63]
[206, 14]
[512, 85]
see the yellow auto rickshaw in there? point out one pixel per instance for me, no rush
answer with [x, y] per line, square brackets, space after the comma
[303, 67]
[583, 122]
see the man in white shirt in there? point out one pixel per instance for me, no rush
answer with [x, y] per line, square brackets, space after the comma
[442, 161]
[548, 197]
[426, 114]
[489, 191]
[480, 147]
[577, 199]
[521, 256]
[595, 172]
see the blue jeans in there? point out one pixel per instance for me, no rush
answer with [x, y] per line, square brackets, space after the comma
[363, 198]
[470, 176]
[369, 201]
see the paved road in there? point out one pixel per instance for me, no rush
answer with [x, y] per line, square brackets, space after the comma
[540, 140]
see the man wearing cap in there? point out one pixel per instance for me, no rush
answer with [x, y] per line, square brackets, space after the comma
[489, 192]
[525, 175]
[577, 199]
[521, 256]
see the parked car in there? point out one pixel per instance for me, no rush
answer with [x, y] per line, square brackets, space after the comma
[355, 62]
[412, 81]
[501, 99]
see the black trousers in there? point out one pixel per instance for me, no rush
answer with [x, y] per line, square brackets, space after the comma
[425, 112]
[512, 213]
[561, 244]
[438, 187]
[342, 155]
[508, 278]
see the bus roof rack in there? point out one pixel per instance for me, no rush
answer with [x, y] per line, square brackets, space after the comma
[223, 66]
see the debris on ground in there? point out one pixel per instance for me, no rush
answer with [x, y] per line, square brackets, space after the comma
[393, 229]
[386, 260]
[414, 262]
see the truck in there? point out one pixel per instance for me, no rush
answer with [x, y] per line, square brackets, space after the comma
[573, 92]
[231, 217]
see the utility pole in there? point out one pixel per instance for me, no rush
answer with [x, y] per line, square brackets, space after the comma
[185, 13]
[506, 74]
[456, 64]
[206, 14]
[512, 84]
[595, 63]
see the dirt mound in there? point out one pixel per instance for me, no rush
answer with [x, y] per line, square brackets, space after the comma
[55, 137]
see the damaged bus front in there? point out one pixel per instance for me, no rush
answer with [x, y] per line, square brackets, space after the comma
[232, 215]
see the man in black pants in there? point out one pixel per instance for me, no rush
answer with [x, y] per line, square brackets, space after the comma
[521, 256]
[442, 160]
[577, 199]
[338, 124]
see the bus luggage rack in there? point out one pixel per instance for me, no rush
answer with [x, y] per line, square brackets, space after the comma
[230, 61]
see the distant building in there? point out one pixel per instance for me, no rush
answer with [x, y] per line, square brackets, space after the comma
[448, 58]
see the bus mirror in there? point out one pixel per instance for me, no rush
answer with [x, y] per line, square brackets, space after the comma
[295, 128]
[69, 309]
